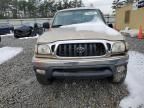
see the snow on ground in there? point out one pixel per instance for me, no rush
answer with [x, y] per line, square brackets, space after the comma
[34, 37]
[7, 35]
[7, 53]
[131, 33]
[20, 38]
[135, 82]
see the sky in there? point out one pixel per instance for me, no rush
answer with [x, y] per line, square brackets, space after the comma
[103, 5]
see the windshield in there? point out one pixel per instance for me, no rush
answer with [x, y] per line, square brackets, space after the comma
[75, 17]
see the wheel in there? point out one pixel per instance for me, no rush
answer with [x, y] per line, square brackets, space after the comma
[40, 31]
[15, 36]
[119, 77]
[43, 80]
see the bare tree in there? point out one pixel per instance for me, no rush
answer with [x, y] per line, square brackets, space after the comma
[34, 8]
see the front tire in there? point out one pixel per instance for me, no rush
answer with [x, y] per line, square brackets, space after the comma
[43, 80]
[119, 77]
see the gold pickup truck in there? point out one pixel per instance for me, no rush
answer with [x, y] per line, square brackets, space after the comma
[80, 45]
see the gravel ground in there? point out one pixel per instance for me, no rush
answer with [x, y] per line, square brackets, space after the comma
[135, 44]
[19, 88]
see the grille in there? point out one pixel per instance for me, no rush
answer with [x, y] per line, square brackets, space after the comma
[81, 49]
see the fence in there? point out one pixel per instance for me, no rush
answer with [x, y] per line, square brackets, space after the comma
[18, 22]
[109, 19]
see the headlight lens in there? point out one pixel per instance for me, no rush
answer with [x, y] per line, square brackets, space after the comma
[43, 49]
[118, 47]
[127, 46]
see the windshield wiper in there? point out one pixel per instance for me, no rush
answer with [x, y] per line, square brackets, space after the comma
[56, 26]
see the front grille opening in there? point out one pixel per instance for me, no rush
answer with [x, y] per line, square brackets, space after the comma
[81, 49]
[53, 48]
[109, 46]
[84, 70]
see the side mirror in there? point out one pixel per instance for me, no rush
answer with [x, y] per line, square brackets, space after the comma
[110, 25]
[46, 25]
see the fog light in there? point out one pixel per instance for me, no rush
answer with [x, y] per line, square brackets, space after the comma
[121, 69]
[41, 71]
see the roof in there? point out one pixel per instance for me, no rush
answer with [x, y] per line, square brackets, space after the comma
[79, 8]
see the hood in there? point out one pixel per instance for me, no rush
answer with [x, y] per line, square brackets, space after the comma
[85, 31]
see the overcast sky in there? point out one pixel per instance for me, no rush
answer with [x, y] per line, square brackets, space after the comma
[104, 5]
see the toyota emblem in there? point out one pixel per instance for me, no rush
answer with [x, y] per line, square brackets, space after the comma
[80, 50]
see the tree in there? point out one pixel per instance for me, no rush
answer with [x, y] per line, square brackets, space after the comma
[22, 7]
[117, 4]
[34, 8]
[4, 8]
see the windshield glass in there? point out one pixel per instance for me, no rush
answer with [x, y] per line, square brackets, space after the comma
[75, 17]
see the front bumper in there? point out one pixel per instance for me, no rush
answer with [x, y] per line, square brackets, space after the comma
[79, 68]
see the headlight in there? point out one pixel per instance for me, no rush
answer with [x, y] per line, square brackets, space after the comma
[43, 49]
[118, 47]
[127, 46]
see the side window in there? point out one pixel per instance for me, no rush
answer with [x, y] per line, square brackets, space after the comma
[127, 16]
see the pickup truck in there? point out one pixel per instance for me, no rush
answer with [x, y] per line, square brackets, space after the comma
[80, 45]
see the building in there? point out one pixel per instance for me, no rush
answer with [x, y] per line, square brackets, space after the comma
[131, 15]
